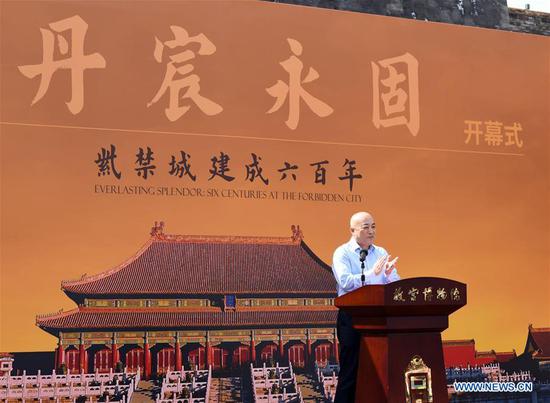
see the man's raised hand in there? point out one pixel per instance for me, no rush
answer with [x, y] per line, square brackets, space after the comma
[380, 264]
[390, 265]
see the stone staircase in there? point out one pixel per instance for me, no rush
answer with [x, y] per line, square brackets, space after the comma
[310, 390]
[225, 390]
[144, 393]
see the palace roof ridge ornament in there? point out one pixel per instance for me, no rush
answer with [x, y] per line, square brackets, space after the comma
[157, 233]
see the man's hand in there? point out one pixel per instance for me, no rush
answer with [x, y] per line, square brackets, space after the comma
[381, 264]
[388, 268]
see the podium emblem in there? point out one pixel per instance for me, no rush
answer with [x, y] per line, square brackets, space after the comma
[418, 380]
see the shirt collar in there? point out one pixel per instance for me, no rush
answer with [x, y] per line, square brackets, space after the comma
[354, 246]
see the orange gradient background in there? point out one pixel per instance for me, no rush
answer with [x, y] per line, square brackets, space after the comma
[476, 214]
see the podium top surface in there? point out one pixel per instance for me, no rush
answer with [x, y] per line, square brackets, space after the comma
[418, 295]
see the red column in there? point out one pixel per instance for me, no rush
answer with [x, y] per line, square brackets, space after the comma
[209, 360]
[335, 347]
[60, 355]
[281, 348]
[114, 355]
[253, 350]
[147, 352]
[85, 361]
[82, 358]
[177, 353]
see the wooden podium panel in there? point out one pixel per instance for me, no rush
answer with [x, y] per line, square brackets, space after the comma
[401, 354]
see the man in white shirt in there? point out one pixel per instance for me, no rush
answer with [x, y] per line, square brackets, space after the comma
[346, 266]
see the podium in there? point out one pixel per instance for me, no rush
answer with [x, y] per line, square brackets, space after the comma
[401, 354]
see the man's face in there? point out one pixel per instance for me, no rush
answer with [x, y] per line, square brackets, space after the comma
[364, 230]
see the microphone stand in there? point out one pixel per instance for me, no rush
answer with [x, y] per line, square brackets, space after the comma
[362, 272]
[362, 256]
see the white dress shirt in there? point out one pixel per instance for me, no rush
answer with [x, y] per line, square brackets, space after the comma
[346, 267]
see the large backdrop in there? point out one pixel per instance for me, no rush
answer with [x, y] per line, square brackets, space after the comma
[244, 118]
